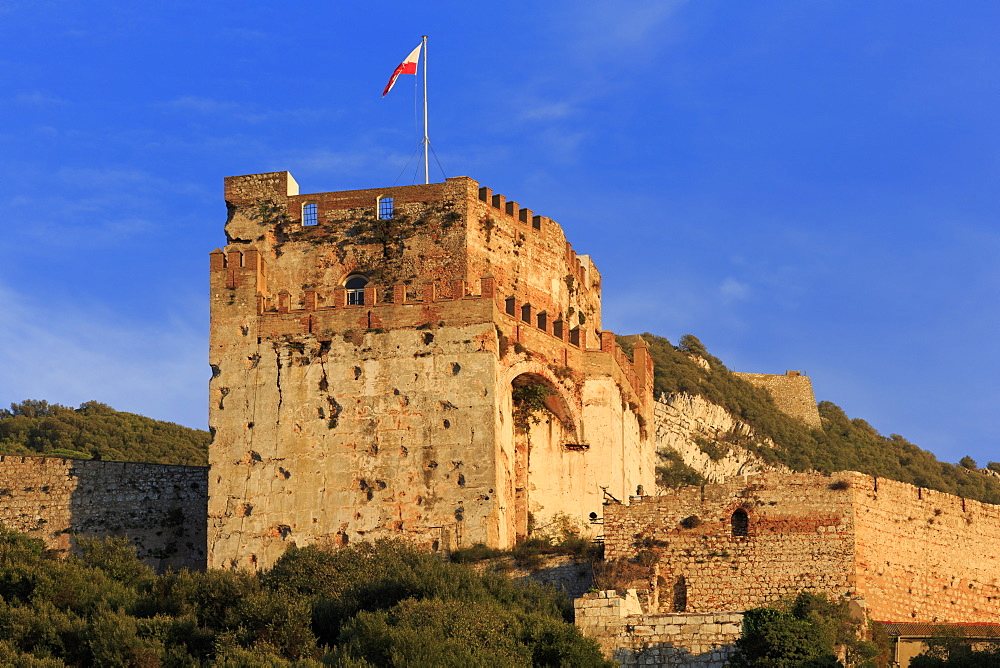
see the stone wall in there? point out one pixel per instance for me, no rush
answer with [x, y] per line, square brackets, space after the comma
[799, 537]
[792, 392]
[160, 508]
[634, 638]
[912, 554]
[340, 422]
[925, 556]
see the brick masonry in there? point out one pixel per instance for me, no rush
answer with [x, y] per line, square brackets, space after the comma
[911, 554]
[160, 508]
[634, 638]
[792, 392]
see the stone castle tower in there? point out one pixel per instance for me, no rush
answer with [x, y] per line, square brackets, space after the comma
[423, 361]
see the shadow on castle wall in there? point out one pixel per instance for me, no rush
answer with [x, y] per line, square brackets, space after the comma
[161, 509]
[668, 654]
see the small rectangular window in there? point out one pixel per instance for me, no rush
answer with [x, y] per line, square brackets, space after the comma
[385, 211]
[310, 214]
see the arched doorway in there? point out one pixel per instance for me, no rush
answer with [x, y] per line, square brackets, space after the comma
[540, 423]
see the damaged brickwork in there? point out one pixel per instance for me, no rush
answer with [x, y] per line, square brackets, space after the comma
[910, 554]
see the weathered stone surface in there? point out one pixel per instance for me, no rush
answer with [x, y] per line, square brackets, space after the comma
[338, 421]
[681, 420]
[160, 508]
[636, 638]
[792, 392]
[911, 554]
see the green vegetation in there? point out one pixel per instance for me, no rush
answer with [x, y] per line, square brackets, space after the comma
[806, 632]
[383, 605]
[842, 444]
[529, 402]
[949, 649]
[97, 431]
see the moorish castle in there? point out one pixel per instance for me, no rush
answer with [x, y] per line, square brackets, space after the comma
[428, 362]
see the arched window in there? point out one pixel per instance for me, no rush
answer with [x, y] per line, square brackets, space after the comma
[385, 210]
[310, 213]
[740, 522]
[680, 602]
[356, 290]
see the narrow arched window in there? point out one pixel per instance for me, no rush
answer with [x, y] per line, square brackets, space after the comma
[355, 286]
[310, 213]
[740, 522]
[680, 602]
[385, 209]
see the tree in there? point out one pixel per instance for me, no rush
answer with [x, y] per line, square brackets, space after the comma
[807, 632]
[969, 463]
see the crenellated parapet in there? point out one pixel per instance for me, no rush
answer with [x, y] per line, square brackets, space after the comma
[325, 312]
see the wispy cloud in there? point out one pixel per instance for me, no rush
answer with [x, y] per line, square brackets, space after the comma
[70, 354]
[39, 99]
[86, 207]
[733, 290]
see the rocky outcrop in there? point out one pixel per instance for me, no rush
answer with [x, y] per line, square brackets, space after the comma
[707, 437]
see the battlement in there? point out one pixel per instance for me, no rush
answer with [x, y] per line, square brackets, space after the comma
[454, 302]
[581, 267]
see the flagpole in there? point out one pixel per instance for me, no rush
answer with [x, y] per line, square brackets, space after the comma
[427, 141]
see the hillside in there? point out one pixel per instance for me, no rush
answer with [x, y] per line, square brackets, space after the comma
[97, 431]
[843, 443]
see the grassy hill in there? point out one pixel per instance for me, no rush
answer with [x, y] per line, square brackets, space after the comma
[843, 443]
[97, 431]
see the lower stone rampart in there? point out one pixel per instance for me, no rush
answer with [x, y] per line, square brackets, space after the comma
[913, 554]
[160, 508]
[634, 638]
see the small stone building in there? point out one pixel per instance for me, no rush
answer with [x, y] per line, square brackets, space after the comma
[906, 554]
[423, 361]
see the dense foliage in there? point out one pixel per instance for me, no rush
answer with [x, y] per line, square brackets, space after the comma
[842, 443]
[383, 605]
[97, 431]
[810, 631]
[949, 649]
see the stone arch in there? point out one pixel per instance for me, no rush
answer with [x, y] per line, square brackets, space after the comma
[559, 404]
[516, 446]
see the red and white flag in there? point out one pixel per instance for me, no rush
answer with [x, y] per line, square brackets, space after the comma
[408, 66]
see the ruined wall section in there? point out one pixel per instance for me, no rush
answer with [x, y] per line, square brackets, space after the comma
[706, 436]
[632, 637]
[792, 392]
[925, 556]
[160, 508]
[799, 537]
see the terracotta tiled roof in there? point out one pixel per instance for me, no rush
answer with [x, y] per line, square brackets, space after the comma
[928, 630]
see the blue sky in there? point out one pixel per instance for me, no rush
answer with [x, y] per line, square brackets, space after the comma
[801, 184]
